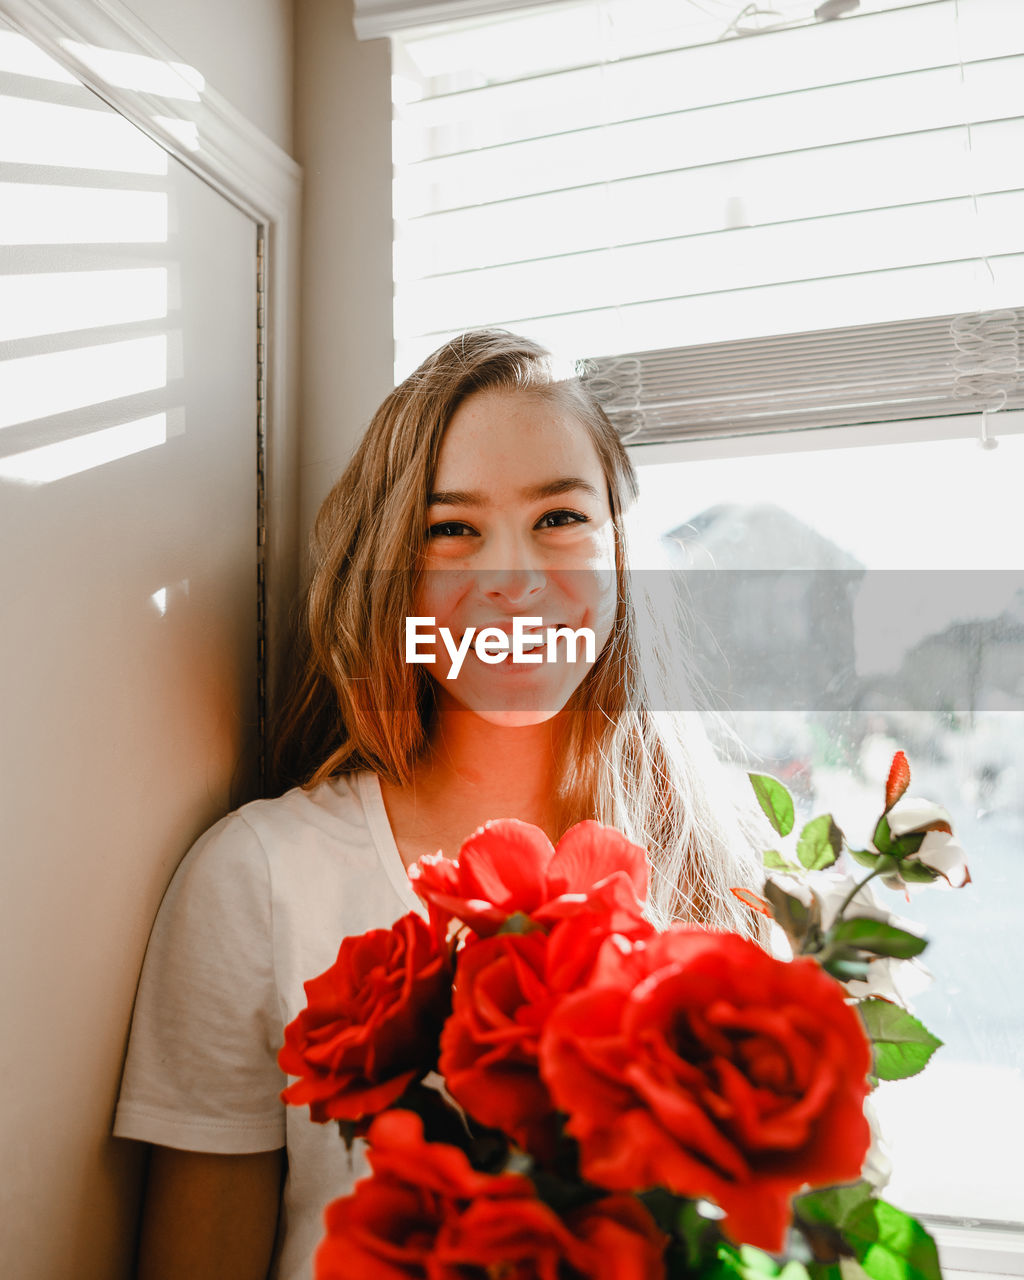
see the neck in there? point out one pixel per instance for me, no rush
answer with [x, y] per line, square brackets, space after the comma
[487, 771]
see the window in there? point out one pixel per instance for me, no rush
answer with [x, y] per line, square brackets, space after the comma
[924, 538]
[758, 223]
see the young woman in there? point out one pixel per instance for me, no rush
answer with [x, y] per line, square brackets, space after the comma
[485, 490]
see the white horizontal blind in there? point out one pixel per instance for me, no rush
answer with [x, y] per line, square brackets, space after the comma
[835, 377]
[611, 176]
[382, 17]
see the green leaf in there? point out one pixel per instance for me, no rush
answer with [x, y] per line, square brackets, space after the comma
[754, 1264]
[696, 1240]
[891, 1245]
[904, 846]
[819, 1216]
[897, 846]
[866, 857]
[916, 872]
[801, 924]
[902, 1044]
[879, 938]
[819, 843]
[833, 1205]
[885, 1242]
[846, 968]
[882, 839]
[775, 800]
[774, 861]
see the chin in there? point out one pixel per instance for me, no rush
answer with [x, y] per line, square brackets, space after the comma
[518, 719]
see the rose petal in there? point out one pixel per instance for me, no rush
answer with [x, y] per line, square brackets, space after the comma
[588, 853]
[505, 862]
[942, 853]
[912, 814]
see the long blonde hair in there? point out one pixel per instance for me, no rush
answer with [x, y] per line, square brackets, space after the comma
[356, 704]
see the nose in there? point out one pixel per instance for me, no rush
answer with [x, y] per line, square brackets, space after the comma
[512, 589]
[511, 572]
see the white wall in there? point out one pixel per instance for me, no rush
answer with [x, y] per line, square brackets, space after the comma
[343, 142]
[243, 48]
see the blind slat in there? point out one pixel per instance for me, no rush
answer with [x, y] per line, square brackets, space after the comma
[937, 232]
[894, 42]
[748, 131]
[856, 177]
[874, 297]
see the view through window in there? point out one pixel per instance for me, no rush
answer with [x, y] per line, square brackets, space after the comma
[909, 559]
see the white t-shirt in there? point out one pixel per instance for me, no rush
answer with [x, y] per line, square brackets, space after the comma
[258, 906]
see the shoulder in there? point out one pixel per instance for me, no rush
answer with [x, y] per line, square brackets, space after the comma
[246, 843]
[334, 807]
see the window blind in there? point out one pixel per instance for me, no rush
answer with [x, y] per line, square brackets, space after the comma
[382, 17]
[648, 176]
[838, 377]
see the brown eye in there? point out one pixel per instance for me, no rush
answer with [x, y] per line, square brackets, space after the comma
[561, 518]
[451, 529]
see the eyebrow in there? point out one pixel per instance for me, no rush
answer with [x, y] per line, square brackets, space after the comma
[549, 489]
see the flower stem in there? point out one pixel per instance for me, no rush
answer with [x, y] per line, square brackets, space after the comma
[880, 869]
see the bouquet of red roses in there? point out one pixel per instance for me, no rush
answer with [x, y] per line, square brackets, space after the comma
[551, 1088]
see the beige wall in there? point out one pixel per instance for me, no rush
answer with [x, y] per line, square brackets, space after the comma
[294, 69]
[243, 48]
[128, 710]
[343, 142]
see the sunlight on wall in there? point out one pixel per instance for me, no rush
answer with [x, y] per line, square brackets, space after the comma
[137, 71]
[72, 153]
[19, 55]
[49, 133]
[83, 453]
[31, 214]
[62, 301]
[59, 381]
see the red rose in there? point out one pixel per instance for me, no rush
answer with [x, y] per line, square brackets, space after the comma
[614, 1238]
[508, 867]
[426, 1212]
[371, 1023]
[625, 1239]
[708, 1067]
[505, 988]
[489, 1044]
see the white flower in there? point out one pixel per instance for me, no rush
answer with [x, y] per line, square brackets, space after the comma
[940, 851]
[877, 1167]
[888, 977]
[891, 979]
[831, 889]
[912, 814]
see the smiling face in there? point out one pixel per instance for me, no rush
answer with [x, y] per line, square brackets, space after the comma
[518, 525]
